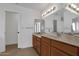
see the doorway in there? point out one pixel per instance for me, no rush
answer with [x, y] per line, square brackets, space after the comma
[55, 25]
[11, 35]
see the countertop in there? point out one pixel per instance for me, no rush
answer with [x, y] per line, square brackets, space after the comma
[38, 35]
[69, 39]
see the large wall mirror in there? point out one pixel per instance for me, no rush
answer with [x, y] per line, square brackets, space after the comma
[75, 25]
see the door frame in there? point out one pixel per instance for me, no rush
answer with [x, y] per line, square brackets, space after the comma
[18, 27]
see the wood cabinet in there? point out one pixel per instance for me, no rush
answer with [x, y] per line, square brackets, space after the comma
[52, 47]
[57, 52]
[45, 50]
[63, 49]
[45, 46]
[36, 44]
[34, 41]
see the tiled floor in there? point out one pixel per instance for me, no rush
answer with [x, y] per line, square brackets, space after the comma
[14, 51]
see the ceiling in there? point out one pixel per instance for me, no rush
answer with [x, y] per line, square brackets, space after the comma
[36, 6]
[39, 6]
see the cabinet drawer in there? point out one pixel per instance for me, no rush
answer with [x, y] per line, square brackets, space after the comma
[56, 52]
[46, 40]
[72, 50]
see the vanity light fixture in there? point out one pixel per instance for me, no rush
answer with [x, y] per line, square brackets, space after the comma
[44, 14]
[74, 7]
[52, 7]
[77, 9]
[49, 11]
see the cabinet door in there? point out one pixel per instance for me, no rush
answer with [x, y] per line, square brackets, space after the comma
[69, 49]
[34, 42]
[56, 52]
[38, 47]
[45, 50]
[38, 50]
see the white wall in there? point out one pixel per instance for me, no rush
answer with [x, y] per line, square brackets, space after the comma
[11, 28]
[27, 17]
[2, 30]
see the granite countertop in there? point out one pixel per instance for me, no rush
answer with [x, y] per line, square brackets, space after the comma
[38, 35]
[69, 39]
[51, 36]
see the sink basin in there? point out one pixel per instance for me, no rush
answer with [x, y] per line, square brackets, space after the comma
[52, 34]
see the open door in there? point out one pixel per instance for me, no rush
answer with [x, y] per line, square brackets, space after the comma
[12, 28]
[55, 25]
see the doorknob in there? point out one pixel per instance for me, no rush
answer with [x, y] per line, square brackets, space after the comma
[18, 32]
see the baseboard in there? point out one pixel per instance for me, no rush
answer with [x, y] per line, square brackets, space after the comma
[26, 46]
[12, 45]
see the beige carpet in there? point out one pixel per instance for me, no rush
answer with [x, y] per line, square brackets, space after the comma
[14, 51]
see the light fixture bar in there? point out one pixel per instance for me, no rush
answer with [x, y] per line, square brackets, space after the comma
[49, 11]
[74, 7]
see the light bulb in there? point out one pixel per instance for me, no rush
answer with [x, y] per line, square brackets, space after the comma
[74, 6]
[77, 9]
[52, 7]
[45, 13]
[42, 14]
[49, 10]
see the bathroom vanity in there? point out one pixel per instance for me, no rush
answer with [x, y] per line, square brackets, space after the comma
[52, 45]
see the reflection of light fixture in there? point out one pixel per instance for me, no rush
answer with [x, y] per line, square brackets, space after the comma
[42, 14]
[77, 9]
[74, 6]
[49, 9]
